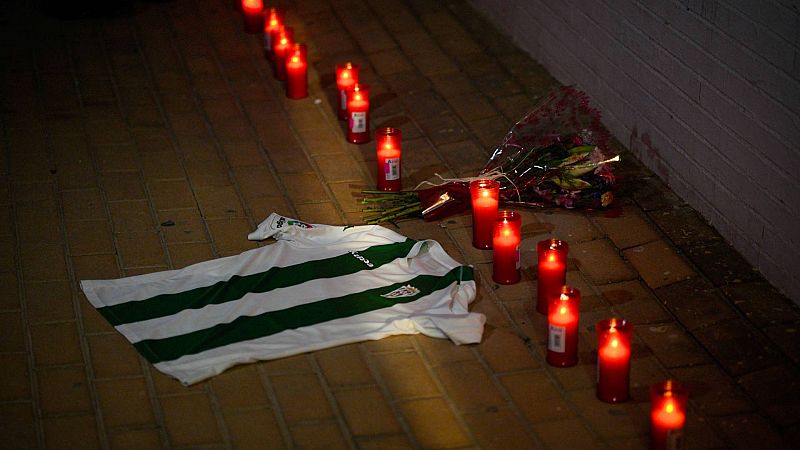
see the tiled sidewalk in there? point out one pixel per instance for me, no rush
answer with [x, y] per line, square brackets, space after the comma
[157, 140]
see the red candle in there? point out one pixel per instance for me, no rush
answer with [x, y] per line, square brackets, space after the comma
[388, 151]
[485, 201]
[346, 77]
[297, 73]
[273, 20]
[252, 14]
[505, 247]
[281, 44]
[551, 270]
[562, 328]
[358, 114]
[667, 414]
[613, 359]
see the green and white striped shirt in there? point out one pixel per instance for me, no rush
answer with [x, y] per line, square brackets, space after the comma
[318, 286]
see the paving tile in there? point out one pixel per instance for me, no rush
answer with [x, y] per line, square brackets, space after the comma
[49, 301]
[433, 424]
[162, 165]
[239, 388]
[254, 428]
[384, 442]
[210, 173]
[485, 426]
[134, 439]
[304, 188]
[10, 296]
[712, 391]
[695, 303]
[116, 157]
[658, 264]
[779, 404]
[301, 397]
[338, 167]
[444, 351]
[785, 336]
[89, 237]
[761, 303]
[723, 265]
[230, 235]
[569, 433]
[750, 431]
[219, 202]
[140, 249]
[405, 375]
[55, 343]
[469, 385]
[190, 420]
[66, 432]
[170, 194]
[18, 425]
[182, 226]
[84, 204]
[536, 396]
[629, 229]
[95, 267]
[36, 223]
[366, 412]
[505, 351]
[344, 366]
[122, 186]
[737, 346]
[672, 345]
[684, 226]
[610, 421]
[131, 216]
[634, 301]
[600, 262]
[125, 402]
[14, 377]
[318, 435]
[113, 356]
[390, 344]
[183, 255]
[256, 181]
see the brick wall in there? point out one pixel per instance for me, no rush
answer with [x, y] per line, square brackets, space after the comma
[706, 93]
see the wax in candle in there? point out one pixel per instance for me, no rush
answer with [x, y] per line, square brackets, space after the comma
[562, 328]
[297, 73]
[667, 414]
[388, 157]
[280, 49]
[551, 271]
[253, 17]
[358, 114]
[346, 77]
[613, 359]
[505, 248]
[273, 19]
[485, 202]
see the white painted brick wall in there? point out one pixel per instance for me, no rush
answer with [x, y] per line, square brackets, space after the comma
[705, 92]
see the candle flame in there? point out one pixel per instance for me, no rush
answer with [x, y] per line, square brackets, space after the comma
[669, 407]
[284, 40]
[295, 59]
[484, 193]
[345, 74]
[358, 97]
[563, 310]
[615, 343]
[551, 257]
[349, 65]
[506, 232]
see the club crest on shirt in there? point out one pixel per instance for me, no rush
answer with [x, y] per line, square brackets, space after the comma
[403, 291]
[285, 221]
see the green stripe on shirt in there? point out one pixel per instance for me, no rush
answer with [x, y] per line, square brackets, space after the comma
[237, 286]
[253, 327]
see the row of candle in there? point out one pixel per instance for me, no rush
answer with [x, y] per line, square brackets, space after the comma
[500, 231]
[290, 59]
[493, 228]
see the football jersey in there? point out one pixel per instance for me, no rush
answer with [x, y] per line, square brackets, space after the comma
[317, 286]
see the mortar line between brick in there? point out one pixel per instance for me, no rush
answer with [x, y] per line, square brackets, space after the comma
[337, 411]
[387, 395]
[277, 411]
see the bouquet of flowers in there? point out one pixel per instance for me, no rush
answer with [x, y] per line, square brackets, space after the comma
[554, 156]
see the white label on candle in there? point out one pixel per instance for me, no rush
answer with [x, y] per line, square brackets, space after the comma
[358, 122]
[391, 169]
[343, 98]
[555, 338]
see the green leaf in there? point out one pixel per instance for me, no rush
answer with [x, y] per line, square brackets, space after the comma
[570, 183]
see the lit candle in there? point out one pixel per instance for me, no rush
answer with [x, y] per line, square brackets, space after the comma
[485, 201]
[273, 20]
[562, 328]
[346, 77]
[297, 73]
[252, 14]
[358, 114]
[551, 271]
[280, 48]
[667, 414]
[613, 359]
[505, 247]
[388, 152]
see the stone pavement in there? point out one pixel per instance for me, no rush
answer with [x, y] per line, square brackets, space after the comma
[155, 140]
